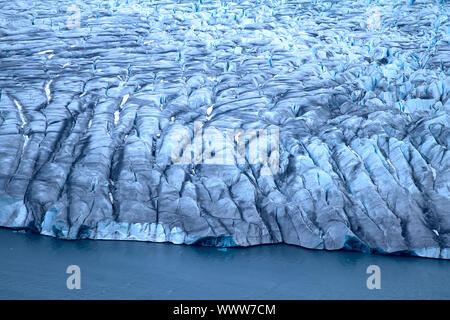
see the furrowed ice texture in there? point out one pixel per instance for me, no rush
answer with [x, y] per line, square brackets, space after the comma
[359, 92]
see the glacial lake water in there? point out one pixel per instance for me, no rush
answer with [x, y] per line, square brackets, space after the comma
[34, 267]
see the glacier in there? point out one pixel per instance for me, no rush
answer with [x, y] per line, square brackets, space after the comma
[91, 91]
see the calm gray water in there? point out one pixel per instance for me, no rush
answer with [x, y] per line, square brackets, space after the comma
[33, 267]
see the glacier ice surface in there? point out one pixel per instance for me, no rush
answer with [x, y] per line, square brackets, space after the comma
[359, 91]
